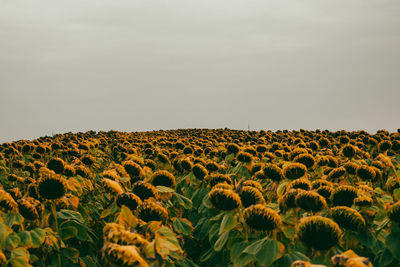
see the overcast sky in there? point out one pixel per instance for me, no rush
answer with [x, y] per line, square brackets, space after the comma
[164, 64]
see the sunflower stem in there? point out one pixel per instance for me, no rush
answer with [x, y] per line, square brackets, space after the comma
[54, 214]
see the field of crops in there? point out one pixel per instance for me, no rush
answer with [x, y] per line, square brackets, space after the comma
[201, 198]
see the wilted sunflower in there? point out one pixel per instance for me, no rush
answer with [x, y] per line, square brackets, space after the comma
[348, 151]
[186, 164]
[384, 145]
[337, 173]
[144, 190]
[116, 233]
[199, 171]
[133, 169]
[287, 200]
[344, 195]
[250, 196]
[363, 201]
[253, 183]
[244, 157]
[261, 218]
[6, 201]
[223, 186]
[217, 178]
[112, 186]
[273, 172]
[366, 173]
[69, 171]
[351, 167]
[348, 218]
[224, 199]
[394, 212]
[56, 165]
[27, 208]
[212, 166]
[51, 187]
[319, 183]
[164, 178]
[130, 200]
[301, 183]
[306, 159]
[232, 149]
[310, 201]
[294, 171]
[150, 211]
[123, 255]
[319, 233]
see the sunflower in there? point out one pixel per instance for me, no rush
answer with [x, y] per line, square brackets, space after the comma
[123, 255]
[294, 171]
[150, 211]
[250, 196]
[199, 171]
[344, 195]
[319, 233]
[273, 172]
[261, 218]
[56, 165]
[130, 200]
[348, 218]
[164, 178]
[144, 190]
[51, 187]
[224, 199]
[310, 201]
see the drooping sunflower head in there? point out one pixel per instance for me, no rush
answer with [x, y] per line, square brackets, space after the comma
[306, 159]
[7, 203]
[144, 190]
[319, 233]
[301, 183]
[134, 170]
[69, 170]
[319, 183]
[287, 201]
[28, 208]
[348, 151]
[164, 178]
[123, 255]
[224, 199]
[337, 173]
[51, 187]
[217, 178]
[199, 171]
[394, 212]
[116, 233]
[56, 165]
[363, 201]
[112, 186]
[244, 157]
[150, 211]
[128, 199]
[294, 171]
[261, 218]
[351, 167]
[273, 172]
[250, 196]
[310, 201]
[365, 173]
[254, 184]
[348, 218]
[343, 195]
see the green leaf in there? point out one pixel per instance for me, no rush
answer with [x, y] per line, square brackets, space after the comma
[19, 258]
[237, 255]
[384, 258]
[289, 258]
[70, 215]
[254, 247]
[183, 226]
[38, 236]
[164, 189]
[396, 194]
[68, 232]
[25, 239]
[221, 241]
[71, 253]
[12, 240]
[127, 218]
[227, 224]
[183, 201]
[13, 218]
[198, 196]
[269, 253]
[4, 232]
[393, 244]
[206, 255]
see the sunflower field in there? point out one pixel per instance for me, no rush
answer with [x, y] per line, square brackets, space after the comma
[201, 197]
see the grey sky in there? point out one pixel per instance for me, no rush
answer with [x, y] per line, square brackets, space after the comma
[156, 64]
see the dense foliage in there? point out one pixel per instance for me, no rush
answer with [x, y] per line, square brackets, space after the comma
[201, 198]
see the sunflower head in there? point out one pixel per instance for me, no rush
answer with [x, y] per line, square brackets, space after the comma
[319, 233]
[217, 178]
[28, 208]
[294, 171]
[144, 190]
[273, 172]
[150, 211]
[287, 200]
[250, 196]
[344, 195]
[366, 173]
[363, 201]
[199, 171]
[261, 218]
[123, 255]
[348, 218]
[351, 167]
[164, 178]
[134, 170]
[254, 184]
[348, 151]
[301, 183]
[224, 199]
[51, 187]
[128, 199]
[244, 157]
[310, 201]
[394, 212]
[337, 173]
[306, 159]
[56, 165]
[112, 186]
[7, 203]
[116, 233]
